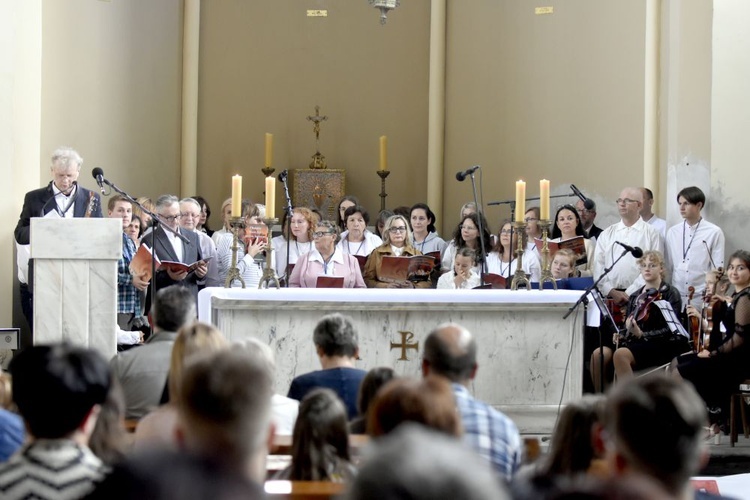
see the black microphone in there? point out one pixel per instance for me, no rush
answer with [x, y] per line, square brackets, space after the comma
[588, 204]
[283, 175]
[636, 251]
[98, 174]
[460, 176]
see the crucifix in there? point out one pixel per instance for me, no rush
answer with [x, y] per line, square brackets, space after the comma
[319, 161]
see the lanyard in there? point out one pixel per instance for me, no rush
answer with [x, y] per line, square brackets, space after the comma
[325, 265]
[686, 250]
[349, 249]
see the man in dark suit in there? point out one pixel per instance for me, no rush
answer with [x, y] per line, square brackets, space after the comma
[62, 195]
[588, 215]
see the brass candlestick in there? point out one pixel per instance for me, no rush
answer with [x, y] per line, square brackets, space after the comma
[267, 171]
[269, 273]
[519, 277]
[383, 195]
[235, 223]
[546, 263]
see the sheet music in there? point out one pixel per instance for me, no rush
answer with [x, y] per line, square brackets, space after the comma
[675, 326]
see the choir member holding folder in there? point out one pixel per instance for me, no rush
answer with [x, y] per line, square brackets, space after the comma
[326, 266]
[568, 228]
[397, 242]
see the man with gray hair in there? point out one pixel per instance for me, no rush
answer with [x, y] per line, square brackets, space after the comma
[190, 214]
[66, 199]
[451, 352]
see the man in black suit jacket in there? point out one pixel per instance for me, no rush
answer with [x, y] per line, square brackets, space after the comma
[63, 195]
[587, 220]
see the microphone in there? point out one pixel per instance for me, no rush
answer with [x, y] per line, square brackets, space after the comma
[98, 174]
[587, 203]
[283, 175]
[460, 176]
[636, 251]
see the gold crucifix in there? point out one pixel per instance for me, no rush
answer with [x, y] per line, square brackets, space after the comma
[316, 119]
[406, 337]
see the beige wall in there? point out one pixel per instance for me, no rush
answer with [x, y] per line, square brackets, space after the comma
[264, 67]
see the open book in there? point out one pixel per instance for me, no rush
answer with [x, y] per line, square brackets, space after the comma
[577, 245]
[414, 268]
[256, 232]
[141, 264]
[494, 281]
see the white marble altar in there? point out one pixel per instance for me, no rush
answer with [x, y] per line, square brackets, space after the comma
[529, 357]
[75, 281]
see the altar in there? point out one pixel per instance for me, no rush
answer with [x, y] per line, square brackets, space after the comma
[530, 359]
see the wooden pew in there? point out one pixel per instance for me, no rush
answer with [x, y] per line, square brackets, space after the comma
[304, 490]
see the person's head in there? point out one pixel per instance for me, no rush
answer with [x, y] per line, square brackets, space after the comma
[691, 201]
[205, 212]
[416, 463]
[135, 227]
[335, 336]
[148, 205]
[174, 307]
[738, 270]
[190, 213]
[531, 218]
[371, 384]
[629, 204]
[119, 207]
[717, 282]
[193, 339]
[261, 354]
[465, 259]
[224, 410]
[302, 224]
[402, 210]
[563, 264]
[572, 446]
[567, 223]
[383, 216]
[655, 424]
[59, 388]
[251, 212]
[326, 235]
[356, 219]
[422, 218]
[429, 402]
[648, 202]
[651, 265]
[508, 238]
[65, 168]
[345, 202]
[396, 232]
[109, 440]
[466, 209]
[168, 208]
[587, 214]
[320, 438]
[467, 233]
[226, 212]
[451, 352]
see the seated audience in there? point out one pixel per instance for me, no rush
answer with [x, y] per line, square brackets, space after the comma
[426, 239]
[337, 345]
[502, 260]
[110, 440]
[563, 264]
[59, 390]
[320, 443]
[250, 252]
[142, 372]
[463, 276]
[326, 260]
[345, 203]
[466, 234]
[302, 224]
[417, 463]
[371, 384]
[12, 432]
[397, 242]
[451, 352]
[157, 428]
[567, 225]
[357, 239]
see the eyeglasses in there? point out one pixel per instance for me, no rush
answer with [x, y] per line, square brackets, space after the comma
[193, 216]
[506, 231]
[620, 201]
[530, 219]
[171, 218]
[401, 229]
[320, 234]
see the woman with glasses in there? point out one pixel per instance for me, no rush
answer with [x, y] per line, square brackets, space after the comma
[302, 225]
[648, 340]
[502, 259]
[533, 229]
[357, 239]
[397, 241]
[466, 234]
[326, 260]
[568, 225]
[250, 259]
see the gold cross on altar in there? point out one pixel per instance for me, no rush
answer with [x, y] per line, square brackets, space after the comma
[316, 119]
[406, 337]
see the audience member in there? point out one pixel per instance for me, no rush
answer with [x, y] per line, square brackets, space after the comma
[59, 390]
[109, 440]
[371, 384]
[142, 372]
[451, 351]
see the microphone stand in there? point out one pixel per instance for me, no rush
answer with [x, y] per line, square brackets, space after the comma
[286, 231]
[535, 198]
[480, 216]
[599, 299]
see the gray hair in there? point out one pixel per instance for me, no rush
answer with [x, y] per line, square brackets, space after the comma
[193, 201]
[165, 200]
[65, 157]
[174, 308]
[332, 228]
[260, 352]
[336, 336]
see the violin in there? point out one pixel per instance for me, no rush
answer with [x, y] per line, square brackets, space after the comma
[643, 302]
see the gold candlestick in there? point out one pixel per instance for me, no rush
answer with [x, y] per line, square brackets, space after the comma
[383, 174]
[269, 273]
[546, 263]
[519, 277]
[235, 223]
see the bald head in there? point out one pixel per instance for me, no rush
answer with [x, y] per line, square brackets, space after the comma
[629, 205]
[450, 351]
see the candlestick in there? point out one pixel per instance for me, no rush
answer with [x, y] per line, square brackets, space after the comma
[269, 150]
[546, 263]
[269, 273]
[383, 195]
[270, 197]
[235, 223]
[520, 201]
[519, 277]
[383, 153]
[544, 199]
[236, 196]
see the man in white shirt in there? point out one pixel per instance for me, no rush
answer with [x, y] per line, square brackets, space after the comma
[625, 278]
[649, 216]
[693, 247]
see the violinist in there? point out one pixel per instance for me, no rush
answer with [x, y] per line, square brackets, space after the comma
[712, 308]
[649, 340]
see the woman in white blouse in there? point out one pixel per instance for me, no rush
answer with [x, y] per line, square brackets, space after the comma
[357, 239]
[502, 260]
[302, 224]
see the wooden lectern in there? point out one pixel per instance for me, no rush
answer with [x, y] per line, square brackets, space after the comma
[75, 281]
